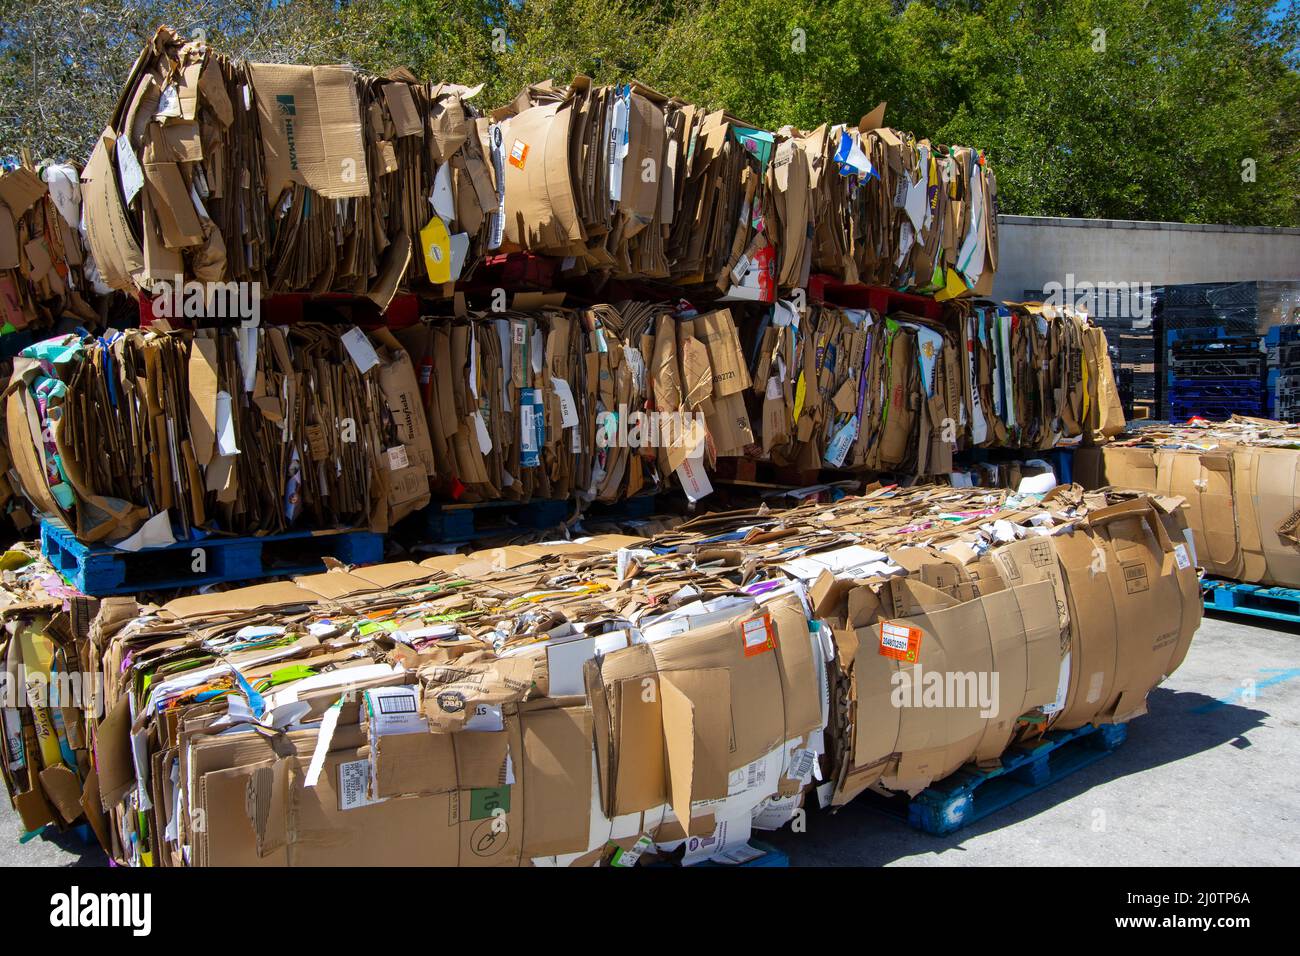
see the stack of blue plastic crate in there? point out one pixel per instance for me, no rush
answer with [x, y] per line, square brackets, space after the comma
[1282, 389]
[1214, 374]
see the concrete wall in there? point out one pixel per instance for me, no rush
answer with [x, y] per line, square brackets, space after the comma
[1034, 251]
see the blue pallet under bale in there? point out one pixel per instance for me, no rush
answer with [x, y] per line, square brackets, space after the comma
[100, 570]
[973, 793]
[640, 506]
[1253, 600]
[457, 523]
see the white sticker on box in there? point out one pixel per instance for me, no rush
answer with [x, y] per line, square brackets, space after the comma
[397, 458]
[694, 481]
[568, 409]
[354, 785]
[1181, 556]
[894, 636]
[394, 710]
[486, 717]
[128, 167]
[169, 102]
[527, 429]
[801, 765]
[755, 632]
[363, 354]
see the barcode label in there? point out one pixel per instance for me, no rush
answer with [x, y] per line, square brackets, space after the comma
[395, 703]
[354, 785]
[801, 766]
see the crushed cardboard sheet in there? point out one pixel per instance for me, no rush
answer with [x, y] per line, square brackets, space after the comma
[1239, 479]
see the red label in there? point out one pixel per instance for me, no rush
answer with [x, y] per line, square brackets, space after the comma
[756, 636]
[902, 642]
[519, 154]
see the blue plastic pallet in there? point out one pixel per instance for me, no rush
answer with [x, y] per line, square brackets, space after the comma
[1278, 604]
[1279, 334]
[642, 506]
[1216, 410]
[972, 793]
[1247, 387]
[1213, 333]
[455, 523]
[100, 570]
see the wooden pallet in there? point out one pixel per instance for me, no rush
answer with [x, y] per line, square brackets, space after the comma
[1277, 604]
[101, 570]
[973, 793]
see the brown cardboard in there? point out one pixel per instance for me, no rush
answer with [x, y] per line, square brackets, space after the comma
[696, 713]
[540, 213]
[311, 129]
[556, 764]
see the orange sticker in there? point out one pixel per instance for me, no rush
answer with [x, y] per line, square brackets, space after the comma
[902, 642]
[757, 636]
[519, 154]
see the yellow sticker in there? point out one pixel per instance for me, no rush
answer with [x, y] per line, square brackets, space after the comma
[436, 245]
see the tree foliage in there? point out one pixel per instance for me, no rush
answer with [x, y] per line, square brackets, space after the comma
[1139, 109]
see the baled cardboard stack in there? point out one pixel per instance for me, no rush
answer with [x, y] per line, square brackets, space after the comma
[236, 430]
[44, 272]
[47, 758]
[594, 701]
[301, 178]
[232, 430]
[848, 388]
[1241, 480]
[320, 178]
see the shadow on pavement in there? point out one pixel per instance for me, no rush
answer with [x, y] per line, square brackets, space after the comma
[77, 851]
[1179, 724]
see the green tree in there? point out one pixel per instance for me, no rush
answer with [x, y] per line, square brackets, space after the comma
[1137, 109]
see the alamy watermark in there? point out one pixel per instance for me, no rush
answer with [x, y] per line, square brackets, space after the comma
[638, 429]
[179, 299]
[22, 688]
[917, 687]
[1101, 300]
